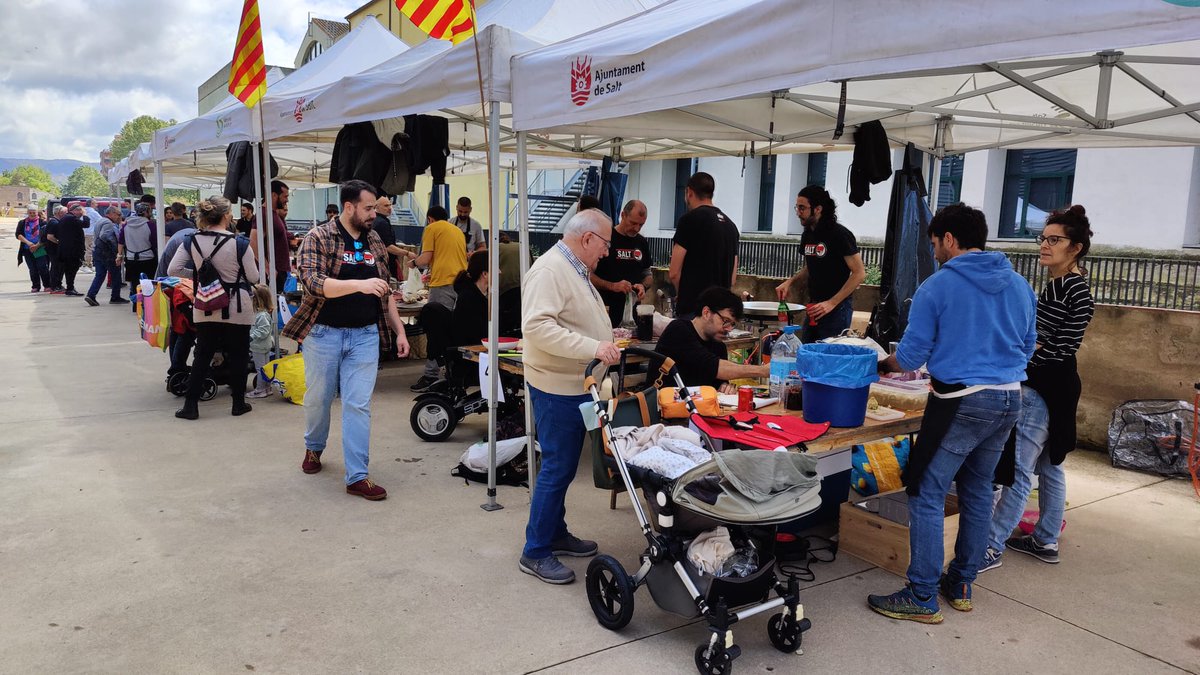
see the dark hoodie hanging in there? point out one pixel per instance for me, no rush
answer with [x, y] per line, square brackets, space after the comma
[872, 161]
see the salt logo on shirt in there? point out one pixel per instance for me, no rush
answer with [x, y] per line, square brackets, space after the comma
[629, 254]
[817, 250]
[348, 258]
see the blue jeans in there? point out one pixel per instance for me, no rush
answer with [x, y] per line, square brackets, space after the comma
[1032, 431]
[102, 268]
[560, 433]
[345, 360]
[830, 325]
[970, 450]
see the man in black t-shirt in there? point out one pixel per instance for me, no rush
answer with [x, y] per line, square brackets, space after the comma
[833, 267]
[246, 222]
[705, 251]
[626, 268]
[698, 345]
[383, 227]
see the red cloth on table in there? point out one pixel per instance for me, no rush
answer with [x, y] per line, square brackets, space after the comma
[792, 431]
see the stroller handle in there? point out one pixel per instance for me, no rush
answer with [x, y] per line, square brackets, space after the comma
[667, 371]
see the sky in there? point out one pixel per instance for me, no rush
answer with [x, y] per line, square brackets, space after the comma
[72, 72]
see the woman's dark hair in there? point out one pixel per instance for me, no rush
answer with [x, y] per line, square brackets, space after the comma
[477, 264]
[819, 196]
[1076, 226]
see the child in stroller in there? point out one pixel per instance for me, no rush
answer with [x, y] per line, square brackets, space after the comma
[676, 517]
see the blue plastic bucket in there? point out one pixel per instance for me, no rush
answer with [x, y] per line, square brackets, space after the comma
[839, 406]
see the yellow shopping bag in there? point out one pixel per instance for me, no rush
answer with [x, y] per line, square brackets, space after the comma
[288, 373]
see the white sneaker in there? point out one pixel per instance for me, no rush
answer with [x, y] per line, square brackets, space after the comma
[258, 394]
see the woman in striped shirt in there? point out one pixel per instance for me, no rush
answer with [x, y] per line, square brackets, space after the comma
[1045, 432]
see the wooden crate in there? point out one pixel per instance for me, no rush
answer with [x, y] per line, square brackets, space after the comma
[879, 533]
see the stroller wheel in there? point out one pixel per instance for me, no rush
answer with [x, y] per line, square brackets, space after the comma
[210, 390]
[433, 419]
[610, 592]
[177, 383]
[720, 663]
[785, 635]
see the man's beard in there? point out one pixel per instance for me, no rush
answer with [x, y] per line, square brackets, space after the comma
[811, 222]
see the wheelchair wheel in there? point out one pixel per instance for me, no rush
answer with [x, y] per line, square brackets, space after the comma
[210, 390]
[177, 383]
[433, 418]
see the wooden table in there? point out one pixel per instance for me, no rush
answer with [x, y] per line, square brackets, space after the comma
[516, 367]
[840, 438]
[409, 310]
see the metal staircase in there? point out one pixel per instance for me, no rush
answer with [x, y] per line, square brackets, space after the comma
[551, 195]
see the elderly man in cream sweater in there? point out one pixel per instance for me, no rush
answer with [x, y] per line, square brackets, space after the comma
[565, 326]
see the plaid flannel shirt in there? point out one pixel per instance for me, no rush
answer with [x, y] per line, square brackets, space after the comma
[320, 258]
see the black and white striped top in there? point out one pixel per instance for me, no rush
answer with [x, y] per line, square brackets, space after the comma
[1064, 311]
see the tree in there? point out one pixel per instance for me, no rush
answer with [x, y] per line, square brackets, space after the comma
[30, 176]
[135, 132]
[86, 181]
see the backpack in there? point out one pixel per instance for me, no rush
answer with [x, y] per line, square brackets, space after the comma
[211, 292]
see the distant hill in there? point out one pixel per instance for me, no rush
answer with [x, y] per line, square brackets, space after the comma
[60, 169]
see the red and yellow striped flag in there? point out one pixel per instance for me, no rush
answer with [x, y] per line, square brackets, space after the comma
[442, 19]
[248, 72]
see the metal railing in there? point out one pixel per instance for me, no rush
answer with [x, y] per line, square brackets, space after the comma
[1161, 283]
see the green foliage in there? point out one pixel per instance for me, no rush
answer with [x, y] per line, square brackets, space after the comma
[31, 176]
[135, 132]
[874, 275]
[85, 180]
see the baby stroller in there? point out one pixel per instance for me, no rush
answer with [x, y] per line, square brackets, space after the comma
[218, 374]
[675, 517]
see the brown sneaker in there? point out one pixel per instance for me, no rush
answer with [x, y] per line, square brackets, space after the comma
[367, 490]
[312, 462]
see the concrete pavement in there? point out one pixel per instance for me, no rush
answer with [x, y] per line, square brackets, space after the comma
[132, 542]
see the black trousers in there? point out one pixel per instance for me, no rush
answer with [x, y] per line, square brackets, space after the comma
[69, 268]
[231, 339]
[56, 271]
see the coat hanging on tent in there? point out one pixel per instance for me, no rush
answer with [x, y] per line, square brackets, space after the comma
[239, 171]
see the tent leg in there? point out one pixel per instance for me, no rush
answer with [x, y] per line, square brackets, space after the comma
[270, 274]
[493, 254]
[259, 210]
[160, 200]
[523, 224]
[935, 162]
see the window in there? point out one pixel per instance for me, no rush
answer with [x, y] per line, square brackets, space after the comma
[950, 189]
[818, 164]
[684, 168]
[1036, 182]
[314, 50]
[766, 192]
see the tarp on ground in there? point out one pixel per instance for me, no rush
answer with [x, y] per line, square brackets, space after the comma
[1023, 72]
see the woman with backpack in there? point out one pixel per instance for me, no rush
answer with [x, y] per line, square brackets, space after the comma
[223, 272]
[1045, 431]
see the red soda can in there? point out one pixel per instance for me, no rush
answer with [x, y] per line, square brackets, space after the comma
[745, 398]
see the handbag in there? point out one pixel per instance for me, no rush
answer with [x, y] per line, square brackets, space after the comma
[674, 407]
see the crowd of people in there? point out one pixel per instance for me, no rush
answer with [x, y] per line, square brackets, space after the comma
[1002, 359]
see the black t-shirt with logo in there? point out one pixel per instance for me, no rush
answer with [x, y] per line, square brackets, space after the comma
[711, 241]
[826, 248]
[356, 309]
[696, 359]
[627, 260]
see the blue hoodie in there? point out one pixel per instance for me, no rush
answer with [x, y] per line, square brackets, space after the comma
[973, 322]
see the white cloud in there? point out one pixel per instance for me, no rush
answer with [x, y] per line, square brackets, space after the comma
[73, 71]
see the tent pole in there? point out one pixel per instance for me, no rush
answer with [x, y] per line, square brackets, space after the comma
[935, 161]
[160, 201]
[523, 225]
[270, 227]
[259, 210]
[493, 253]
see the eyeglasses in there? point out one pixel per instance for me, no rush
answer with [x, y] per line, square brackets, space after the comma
[607, 243]
[358, 253]
[1052, 239]
[727, 321]
[801, 208]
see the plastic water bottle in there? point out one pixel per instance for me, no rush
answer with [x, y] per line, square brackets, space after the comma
[783, 360]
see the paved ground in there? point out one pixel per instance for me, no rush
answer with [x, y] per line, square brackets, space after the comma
[132, 542]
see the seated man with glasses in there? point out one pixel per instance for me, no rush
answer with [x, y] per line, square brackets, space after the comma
[698, 345]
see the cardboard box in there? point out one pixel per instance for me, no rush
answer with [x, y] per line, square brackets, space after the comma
[876, 529]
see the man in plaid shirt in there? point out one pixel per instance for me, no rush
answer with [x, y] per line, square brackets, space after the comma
[346, 312]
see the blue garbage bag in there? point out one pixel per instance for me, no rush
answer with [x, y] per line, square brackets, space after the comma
[837, 365]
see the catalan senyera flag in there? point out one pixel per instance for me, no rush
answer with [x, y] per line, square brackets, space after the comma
[451, 20]
[248, 72]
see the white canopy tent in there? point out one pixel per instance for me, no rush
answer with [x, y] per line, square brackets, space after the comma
[949, 75]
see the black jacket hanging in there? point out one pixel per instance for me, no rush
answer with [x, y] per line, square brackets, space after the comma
[239, 171]
[872, 161]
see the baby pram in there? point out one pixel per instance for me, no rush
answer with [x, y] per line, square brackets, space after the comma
[675, 584]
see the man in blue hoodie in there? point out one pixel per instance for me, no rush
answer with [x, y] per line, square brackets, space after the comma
[973, 325]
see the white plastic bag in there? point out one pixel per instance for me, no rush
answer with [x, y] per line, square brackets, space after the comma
[476, 456]
[412, 285]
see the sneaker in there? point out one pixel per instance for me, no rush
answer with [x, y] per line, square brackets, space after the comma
[575, 547]
[118, 301]
[905, 605]
[71, 292]
[258, 394]
[90, 300]
[424, 383]
[991, 559]
[1030, 546]
[57, 291]
[957, 594]
[548, 569]
[367, 490]
[186, 413]
[312, 462]
[35, 290]
[241, 409]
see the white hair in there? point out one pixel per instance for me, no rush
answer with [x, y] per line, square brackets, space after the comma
[588, 220]
[59, 209]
